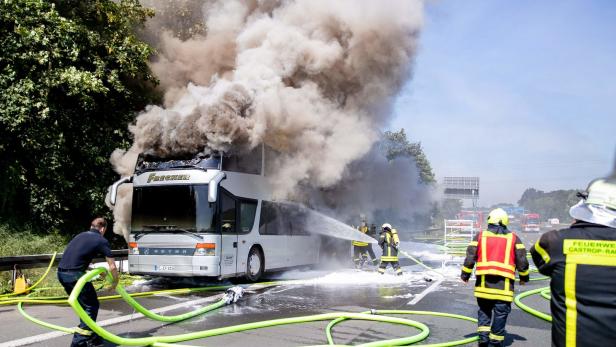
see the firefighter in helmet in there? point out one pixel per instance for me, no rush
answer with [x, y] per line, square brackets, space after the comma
[581, 261]
[362, 251]
[497, 253]
[389, 241]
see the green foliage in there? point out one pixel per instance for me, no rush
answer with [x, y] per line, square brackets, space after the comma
[182, 18]
[397, 145]
[72, 74]
[450, 207]
[554, 204]
[27, 241]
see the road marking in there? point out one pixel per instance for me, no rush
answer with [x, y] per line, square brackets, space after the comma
[426, 292]
[108, 322]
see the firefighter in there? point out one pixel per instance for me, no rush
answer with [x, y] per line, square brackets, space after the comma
[78, 255]
[389, 241]
[581, 261]
[362, 251]
[497, 252]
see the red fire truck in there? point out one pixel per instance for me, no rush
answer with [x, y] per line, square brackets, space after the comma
[530, 222]
[475, 216]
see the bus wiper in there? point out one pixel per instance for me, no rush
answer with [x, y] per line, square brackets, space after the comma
[166, 228]
[191, 233]
[154, 227]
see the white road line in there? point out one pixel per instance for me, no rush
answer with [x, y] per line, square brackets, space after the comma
[108, 322]
[428, 290]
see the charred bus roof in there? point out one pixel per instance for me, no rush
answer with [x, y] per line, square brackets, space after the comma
[146, 162]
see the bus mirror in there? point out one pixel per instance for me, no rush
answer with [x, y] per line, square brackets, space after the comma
[114, 188]
[213, 187]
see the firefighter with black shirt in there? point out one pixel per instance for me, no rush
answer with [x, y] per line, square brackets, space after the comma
[497, 252]
[389, 242]
[78, 255]
[581, 261]
[362, 250]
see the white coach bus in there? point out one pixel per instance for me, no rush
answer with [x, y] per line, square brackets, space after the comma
[212, 216]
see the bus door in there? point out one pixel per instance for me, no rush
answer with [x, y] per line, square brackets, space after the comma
[247, 212]
[229, 237]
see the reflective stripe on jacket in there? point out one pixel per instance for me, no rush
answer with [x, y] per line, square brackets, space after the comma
[388, 241]
[497, 253]
[581, 260]
[364, 230]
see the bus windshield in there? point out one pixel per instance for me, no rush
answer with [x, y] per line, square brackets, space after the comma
[172, 208]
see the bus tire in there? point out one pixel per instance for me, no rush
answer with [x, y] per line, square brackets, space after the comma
[255, 264]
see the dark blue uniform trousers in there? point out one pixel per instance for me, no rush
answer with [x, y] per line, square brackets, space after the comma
[492, 318]
[88, 300]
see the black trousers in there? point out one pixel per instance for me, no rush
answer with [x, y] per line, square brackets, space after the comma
[88, 300]
[360, 251]
[492, 318]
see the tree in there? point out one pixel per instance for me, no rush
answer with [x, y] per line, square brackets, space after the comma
[397, 145]
[554, 204]
[182, 18]
[72, 74]
[446, 209]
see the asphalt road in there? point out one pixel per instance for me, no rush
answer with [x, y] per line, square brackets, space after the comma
[312, 292]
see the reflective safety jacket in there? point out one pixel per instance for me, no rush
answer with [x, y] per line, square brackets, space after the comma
[364, 230]
[582, 263]
[389, 241]
[497, 253]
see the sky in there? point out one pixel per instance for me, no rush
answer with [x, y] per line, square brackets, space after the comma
[518, 93]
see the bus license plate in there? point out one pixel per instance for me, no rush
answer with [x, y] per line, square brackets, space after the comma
[163, 267]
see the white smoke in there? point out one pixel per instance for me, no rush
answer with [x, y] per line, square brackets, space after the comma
[313, 79]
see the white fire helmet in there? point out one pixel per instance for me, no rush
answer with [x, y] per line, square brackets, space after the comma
[598, 204]
[386, 226]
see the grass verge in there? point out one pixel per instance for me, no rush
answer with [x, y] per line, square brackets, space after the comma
[26, 242]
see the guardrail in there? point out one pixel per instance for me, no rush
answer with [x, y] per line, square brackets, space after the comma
[42, 260]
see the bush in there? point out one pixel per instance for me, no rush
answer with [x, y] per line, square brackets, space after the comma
[26, 241]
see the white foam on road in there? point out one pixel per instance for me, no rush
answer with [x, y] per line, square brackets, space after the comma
[427, 291]
[349, 277]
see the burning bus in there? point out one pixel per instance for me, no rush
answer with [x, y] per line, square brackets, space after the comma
[212, 216]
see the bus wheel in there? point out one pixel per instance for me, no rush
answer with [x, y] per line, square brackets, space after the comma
[255, 264]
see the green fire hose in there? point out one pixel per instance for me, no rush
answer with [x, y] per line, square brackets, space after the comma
[542, 291]
[35, 284]
[161, 341]
[330, 339]
[72, 300]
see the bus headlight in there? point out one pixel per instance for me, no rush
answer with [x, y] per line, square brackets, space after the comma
[132, 248]
[205, 249]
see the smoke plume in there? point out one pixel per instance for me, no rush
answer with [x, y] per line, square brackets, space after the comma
[313, 79]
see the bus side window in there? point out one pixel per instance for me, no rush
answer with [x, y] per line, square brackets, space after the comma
[227, 215]
[248, 210]
[295, 219]
[270, 222]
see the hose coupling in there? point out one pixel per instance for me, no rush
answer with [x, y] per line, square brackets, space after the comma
[233, 294]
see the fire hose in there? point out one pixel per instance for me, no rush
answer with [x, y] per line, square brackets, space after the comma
[544, 292]
[35, 284]
[230, 297]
